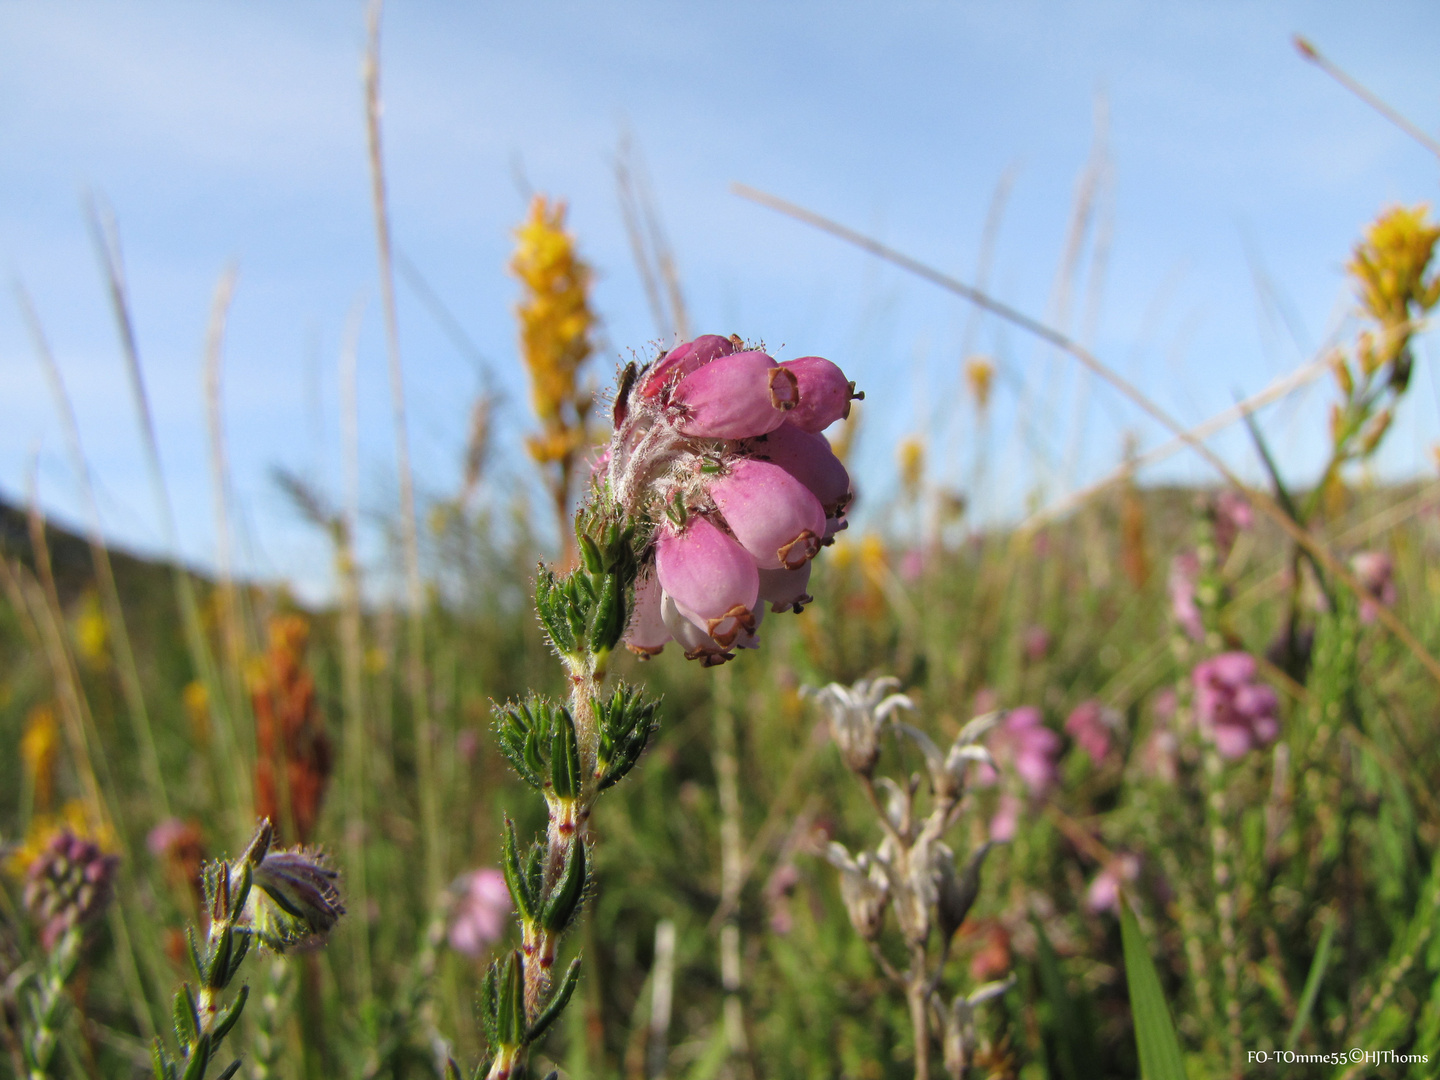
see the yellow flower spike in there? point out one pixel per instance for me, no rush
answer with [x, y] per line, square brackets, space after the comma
[1389, 265]
[912, 464]
[196, 699]
[92, 632]
[38, 747]
[980, 374]
[555, 324]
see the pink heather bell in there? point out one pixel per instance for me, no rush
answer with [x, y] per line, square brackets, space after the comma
[785, 589]
[712, 579]
[647, 633]
[774, 516]
[825, 393]
[683, 359]
[810, 460]
[735, 397]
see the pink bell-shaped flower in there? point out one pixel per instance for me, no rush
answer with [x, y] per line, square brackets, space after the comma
[785, 589]
[809, 459]
[825, 393]
[647, 633]
[735, 397]
[712, 580]
[683, 359]
[773, 515]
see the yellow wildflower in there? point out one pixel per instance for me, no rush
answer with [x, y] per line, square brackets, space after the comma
[43, 828]
[196, 699]
[555, 326]
[37, 750]
[912, 464]
[92, 632]
[980, 374]
[1389, 265]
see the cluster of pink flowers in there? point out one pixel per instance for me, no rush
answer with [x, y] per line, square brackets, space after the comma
[1231, 515]
[68, 885]
[723, 447]
[1234, 711]
[1021, 742]
[1104, 891]
[1092, 726]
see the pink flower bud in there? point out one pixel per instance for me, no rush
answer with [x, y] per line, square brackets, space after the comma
[683, 359]
[711, 578]
[809, 459]
[825, 393]
[647, 634]
[785, 589]
[773, 515]
[735, 397]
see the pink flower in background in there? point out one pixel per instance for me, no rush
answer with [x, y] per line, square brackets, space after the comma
[1376, 572]
[1184, 576]
[1007, 818]
[722, 447]
[1037, 643]
[481, 914]
[1234, 711]
[1091, 725]
[1032, 749]
[1232, 515]
[1104, 891]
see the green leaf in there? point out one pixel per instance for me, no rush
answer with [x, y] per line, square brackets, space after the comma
[1071, 1026]
[1312, 984]
[558, 1001]
[231, 1015]
[561, 903]
[514, 880]
[187, 1019]
[510, 1016]
[1154, 1032]
[565, 756]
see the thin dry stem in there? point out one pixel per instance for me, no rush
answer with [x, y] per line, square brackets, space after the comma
[415, 667]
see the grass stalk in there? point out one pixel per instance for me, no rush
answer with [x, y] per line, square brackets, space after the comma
[415, 659]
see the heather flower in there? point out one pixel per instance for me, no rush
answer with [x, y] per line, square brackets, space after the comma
[1104, 892]
[481, 913]
[735, 397]
[1037, 643]
[295, 900]
[1091, 725]
[1032, 749]
[1006, 820]
[1232, 515]
[1234, 712]
[713, 581]
[1184, 577]
[68, 886]
[825, 393]
[1376, 572]
[743, 498]
[775, 517]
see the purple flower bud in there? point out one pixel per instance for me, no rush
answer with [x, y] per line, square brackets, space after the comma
[712, 580]
[647, 635]
[773, 515]
[1234, 712]
[682, 360]
[735, 397]
[785, 589]
[825, 393]
[810, 460]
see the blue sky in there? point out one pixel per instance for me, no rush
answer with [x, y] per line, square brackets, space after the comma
[1239, 178]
